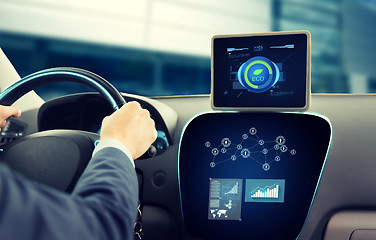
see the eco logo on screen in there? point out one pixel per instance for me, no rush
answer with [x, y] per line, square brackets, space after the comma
[258, 74]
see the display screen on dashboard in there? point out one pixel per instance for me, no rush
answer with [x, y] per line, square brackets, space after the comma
[261, 71]
[242, 174]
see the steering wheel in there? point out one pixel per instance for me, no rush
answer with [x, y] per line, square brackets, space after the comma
[55, 157]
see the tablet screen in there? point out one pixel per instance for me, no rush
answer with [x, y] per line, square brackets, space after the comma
[268, 71]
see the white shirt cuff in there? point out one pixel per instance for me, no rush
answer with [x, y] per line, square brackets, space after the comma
[110, 142]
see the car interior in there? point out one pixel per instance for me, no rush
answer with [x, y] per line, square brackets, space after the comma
[263, 154]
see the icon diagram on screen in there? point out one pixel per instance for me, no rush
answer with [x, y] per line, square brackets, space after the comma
[265, 190]
[258, 74]
[262, 151]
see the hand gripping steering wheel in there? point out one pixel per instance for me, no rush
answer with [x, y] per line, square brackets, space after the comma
[55, 157]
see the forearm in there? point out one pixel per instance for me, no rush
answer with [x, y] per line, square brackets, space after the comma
[110, 184]
[102, 206]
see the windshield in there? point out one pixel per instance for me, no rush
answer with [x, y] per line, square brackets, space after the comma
[162, 47]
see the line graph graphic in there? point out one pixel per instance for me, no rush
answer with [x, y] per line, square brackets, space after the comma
[251, 147]
[234, 189]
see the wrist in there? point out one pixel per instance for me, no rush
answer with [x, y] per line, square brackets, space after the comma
[111, 142]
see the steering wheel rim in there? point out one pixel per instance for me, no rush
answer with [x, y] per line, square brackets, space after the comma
[62, 74]
[31, 155]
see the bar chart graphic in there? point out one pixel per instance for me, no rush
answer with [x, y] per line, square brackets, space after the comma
[266, 192]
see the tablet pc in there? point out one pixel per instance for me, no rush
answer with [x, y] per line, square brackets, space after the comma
[261, 71]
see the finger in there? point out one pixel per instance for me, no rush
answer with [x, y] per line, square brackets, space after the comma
[2, 123]
[133, 105]
[145, 113]
[155, 135]
[9, 111]
[104, 119]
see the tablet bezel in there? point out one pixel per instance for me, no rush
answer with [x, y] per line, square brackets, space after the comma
[271, 108]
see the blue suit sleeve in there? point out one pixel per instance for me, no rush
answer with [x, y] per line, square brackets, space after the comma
[103, 204]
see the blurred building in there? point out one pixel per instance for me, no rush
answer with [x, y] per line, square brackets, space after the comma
[162, 47]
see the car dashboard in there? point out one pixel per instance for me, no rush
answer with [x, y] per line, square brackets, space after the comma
[344, 189]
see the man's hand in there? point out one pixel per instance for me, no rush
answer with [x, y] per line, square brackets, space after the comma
[132, 126]
[7, 112]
